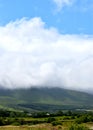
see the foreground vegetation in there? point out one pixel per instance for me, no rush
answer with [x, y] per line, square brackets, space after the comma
[45, 127]
[60, 120]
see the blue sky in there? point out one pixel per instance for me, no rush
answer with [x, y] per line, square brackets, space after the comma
[46, 43]
[74, 18]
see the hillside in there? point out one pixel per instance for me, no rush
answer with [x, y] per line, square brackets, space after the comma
[44, 99]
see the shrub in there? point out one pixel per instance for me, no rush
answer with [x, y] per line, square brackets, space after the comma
[51, 119]
[82, 119]
[78, 127]
[2, 121]
[55, 123]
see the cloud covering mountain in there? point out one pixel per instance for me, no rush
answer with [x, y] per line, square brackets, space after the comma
[31, 54]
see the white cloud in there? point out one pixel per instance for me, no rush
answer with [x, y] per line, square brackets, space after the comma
[61, 3]
[32, 55]
[80, 6]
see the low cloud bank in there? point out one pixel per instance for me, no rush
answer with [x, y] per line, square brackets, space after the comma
[33, 55]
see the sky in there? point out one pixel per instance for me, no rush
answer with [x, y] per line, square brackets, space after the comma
[46, 43]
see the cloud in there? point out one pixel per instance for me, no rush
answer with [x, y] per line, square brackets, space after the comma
[61, 3]
[80, 6]
[83, 6]
[33, 55]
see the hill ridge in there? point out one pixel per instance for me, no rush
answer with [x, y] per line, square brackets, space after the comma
[44, 97]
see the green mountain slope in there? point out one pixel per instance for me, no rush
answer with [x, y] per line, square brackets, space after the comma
[44, 99]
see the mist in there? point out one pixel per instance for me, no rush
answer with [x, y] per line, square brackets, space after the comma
[31, 54]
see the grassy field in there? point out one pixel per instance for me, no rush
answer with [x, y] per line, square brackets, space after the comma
[68, 120]
[65, 126]
[34, 127]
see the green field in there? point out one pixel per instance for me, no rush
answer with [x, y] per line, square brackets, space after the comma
[67, 120]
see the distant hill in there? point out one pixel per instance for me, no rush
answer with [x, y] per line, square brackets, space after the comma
[38, 99]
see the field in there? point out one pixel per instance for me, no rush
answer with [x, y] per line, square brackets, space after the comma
[35, 127]
[45, 127]
[68, 120]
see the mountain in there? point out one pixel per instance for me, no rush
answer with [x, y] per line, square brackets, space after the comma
[38, 99]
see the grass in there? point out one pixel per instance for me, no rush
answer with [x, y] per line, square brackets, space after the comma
[48, 126]
[52, 122]
[34, 127]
